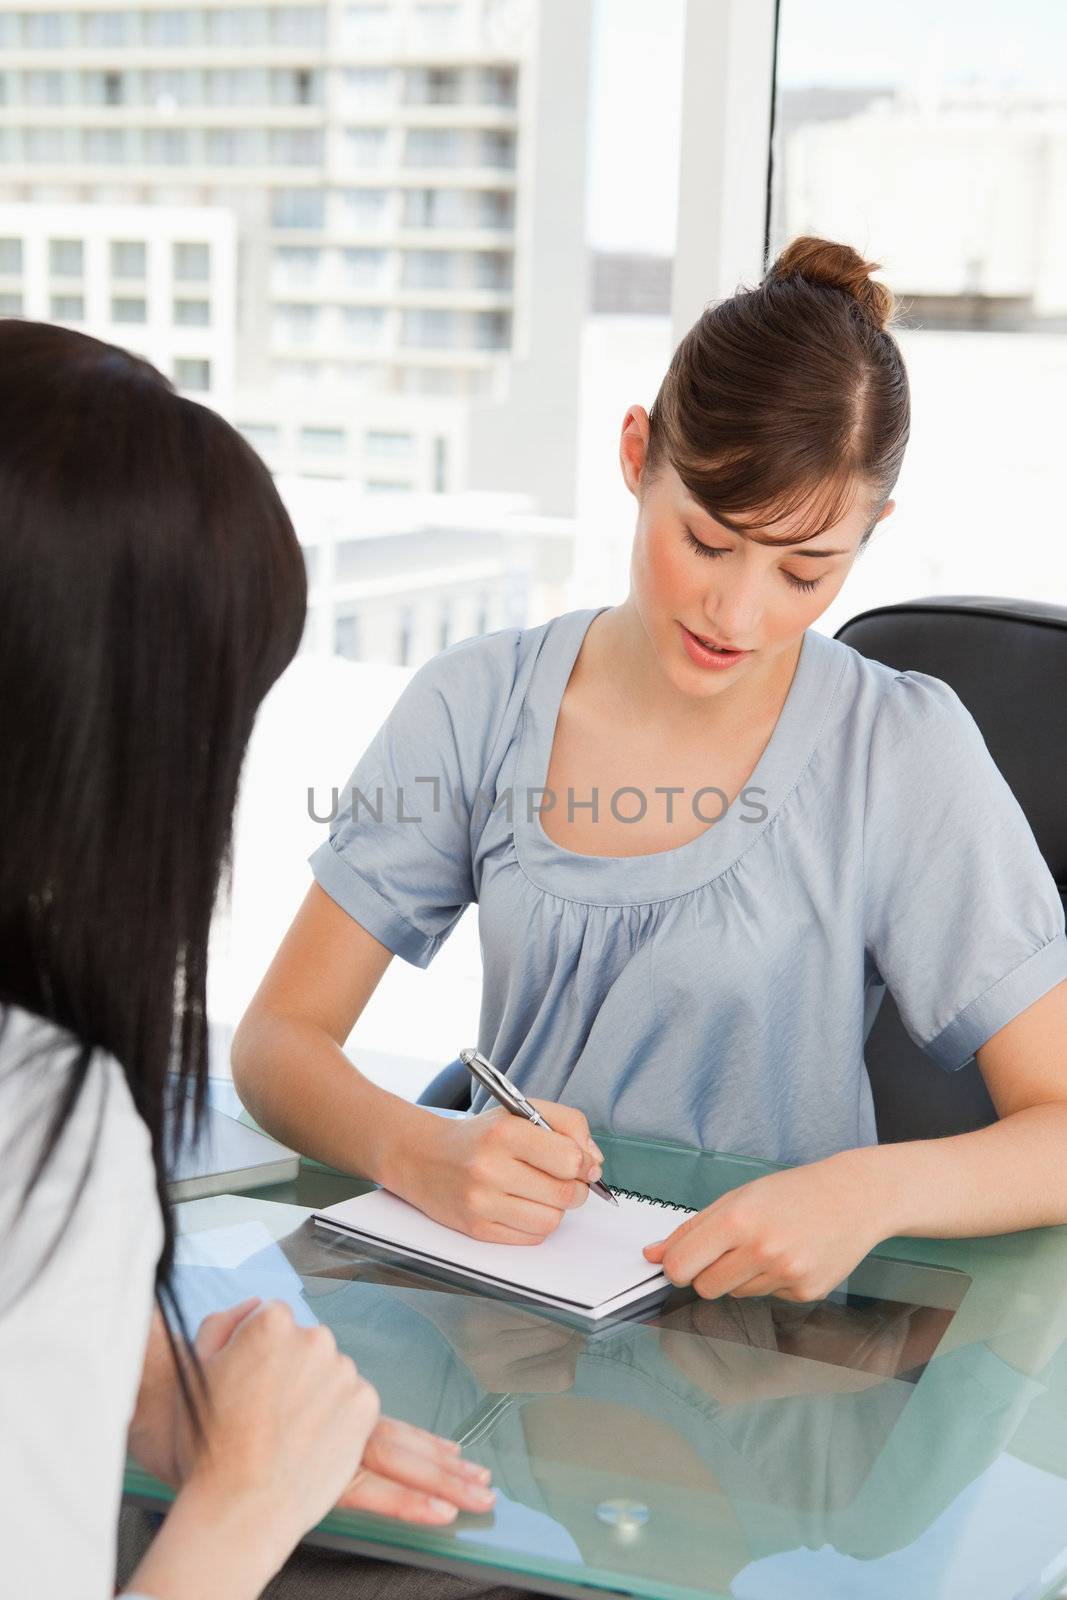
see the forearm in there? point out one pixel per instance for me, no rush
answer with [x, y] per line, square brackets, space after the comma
[301, 1087]
[209, 1548]
[1009, 1176]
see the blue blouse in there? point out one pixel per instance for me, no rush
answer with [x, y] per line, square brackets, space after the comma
[718, 994]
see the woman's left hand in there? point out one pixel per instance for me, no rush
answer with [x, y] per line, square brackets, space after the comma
[796, 1234]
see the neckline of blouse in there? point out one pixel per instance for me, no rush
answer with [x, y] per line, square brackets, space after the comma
[667, 874]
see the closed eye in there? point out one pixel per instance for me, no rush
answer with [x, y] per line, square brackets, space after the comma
[714, 550]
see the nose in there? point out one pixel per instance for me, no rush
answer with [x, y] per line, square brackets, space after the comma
[733, 606]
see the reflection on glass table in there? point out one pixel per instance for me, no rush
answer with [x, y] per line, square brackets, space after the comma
[903, 1436]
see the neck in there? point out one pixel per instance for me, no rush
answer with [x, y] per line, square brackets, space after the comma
[622, 657]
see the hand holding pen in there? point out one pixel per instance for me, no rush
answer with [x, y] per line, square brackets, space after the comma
[507, 1094]
[499, 1177]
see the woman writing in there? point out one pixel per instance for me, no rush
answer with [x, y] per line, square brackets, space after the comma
[151, 591]
[703, 838]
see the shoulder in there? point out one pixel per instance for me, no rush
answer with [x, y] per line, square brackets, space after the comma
[905, 714]
[103, 1143]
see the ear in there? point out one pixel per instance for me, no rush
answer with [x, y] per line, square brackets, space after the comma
[633, 447]
[889, 506]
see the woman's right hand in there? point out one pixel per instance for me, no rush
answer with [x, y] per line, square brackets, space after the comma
[497, 1177]
[286, 1419]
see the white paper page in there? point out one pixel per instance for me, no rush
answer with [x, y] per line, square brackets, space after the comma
[593, 1256]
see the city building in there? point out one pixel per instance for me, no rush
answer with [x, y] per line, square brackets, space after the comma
[383, 166]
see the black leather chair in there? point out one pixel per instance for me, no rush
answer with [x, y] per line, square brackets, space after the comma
[1007, 661]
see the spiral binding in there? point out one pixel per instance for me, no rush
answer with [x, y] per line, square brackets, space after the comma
[649, 1199]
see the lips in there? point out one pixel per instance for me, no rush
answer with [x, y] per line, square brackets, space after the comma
[713, 644]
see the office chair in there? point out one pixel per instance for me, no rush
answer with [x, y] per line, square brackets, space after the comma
[1007, 661]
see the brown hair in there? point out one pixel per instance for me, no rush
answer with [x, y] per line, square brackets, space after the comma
[788, 397]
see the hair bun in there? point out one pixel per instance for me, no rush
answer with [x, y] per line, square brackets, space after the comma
[837, 266]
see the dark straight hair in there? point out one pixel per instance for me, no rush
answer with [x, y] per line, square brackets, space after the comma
[151, 591]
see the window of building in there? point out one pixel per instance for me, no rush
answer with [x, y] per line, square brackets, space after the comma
[405, 633]
[301, 25]
[364, 268]
[297, 265]
[444, 626]
[492, 330]
[499, 86]
[440, 464]
[365, 147]
[434, 147]
[429, 269]
[430, 328]
[497, 148]
[192, 374]
[361, 209]
[323, 441]
[481, 616]
[47, 146]
[108, 146]
[67, 308]
[296, 324]
[43, 88]
[173, 27]
[365, 88]
[10, 305]
[493, 269]
[365, 25]
[128, 258]
[129, 308]
[347, 636]
[296, 147]
[382, 444]
[363, 325]
[247, 26]
[168, 147]
[49, 29]
[114, 89]
[192, 313]
[66, 258]
[109, 28]
[442, 86]
[264, 437]
[192, 261]
[298, 208]
[10, 255]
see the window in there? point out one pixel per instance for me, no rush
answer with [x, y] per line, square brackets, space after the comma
[431, 329]
[362, 210]
[497, 148]
[109, 28]
[299, 25]
[296, 324]
[238, 27]
[347, 641]
[444, 627]
[10, 305]
[67, 308]
[295, 147]
[440, 465]
[323, 441]
[298, 208]
[264, 437]
[499, 86]
[442, 86]
[166, 147]
[433, 147]
[48, 30]
[943, 186]
[172, 27]
[192, 374]
[65, 258]
[113, 89]
[364, 147]
[492, 330]
[365, 25]
[403, 638]
[390, 446]
[297, 265]
[429, 269]
[107, 145]
[192, 262]
[363, 269]
[493, 269]
[43, 88]
[48, 146]
[365, 88]
[362, 325]
[128, 258]
[192, 313]
[129, 308]
[10, 255]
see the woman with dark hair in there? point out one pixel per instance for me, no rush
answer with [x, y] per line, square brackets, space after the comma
[151, 591]
[703, 838]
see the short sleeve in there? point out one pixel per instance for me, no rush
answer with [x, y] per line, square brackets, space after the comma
[963, 919]
[399, 855]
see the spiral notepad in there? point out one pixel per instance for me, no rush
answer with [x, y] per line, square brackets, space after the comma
[592, 1266]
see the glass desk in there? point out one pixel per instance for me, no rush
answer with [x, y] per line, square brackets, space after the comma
[908, 1436]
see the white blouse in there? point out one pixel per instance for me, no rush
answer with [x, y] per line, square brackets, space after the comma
[74, 1319]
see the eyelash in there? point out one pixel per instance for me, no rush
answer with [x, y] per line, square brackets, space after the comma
[806, 584]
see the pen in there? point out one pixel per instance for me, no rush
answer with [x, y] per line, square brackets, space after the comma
[513, 1100]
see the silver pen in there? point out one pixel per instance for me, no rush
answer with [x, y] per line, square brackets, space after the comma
[513, 1100]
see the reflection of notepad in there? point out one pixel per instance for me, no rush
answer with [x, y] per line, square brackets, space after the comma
[590, 1267]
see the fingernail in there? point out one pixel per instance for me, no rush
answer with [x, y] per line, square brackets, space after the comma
[484, 1497]
[595, 1174]
[595, 1151]
[473, 1470]
[443, 1508]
